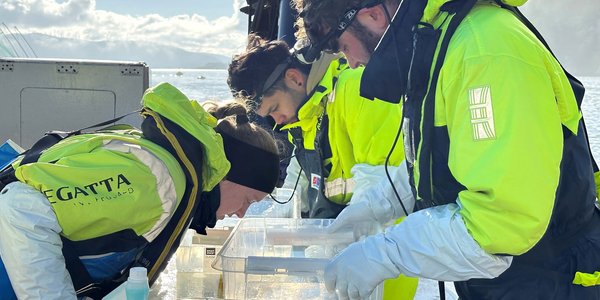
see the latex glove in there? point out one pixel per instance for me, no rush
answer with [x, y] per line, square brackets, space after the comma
[351, 216]
[432, 243]
[374, 199]
[357, 270]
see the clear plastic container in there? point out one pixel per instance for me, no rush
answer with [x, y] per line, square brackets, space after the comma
[196, 278]
[189, 255]
[283, 258]
[267, 208]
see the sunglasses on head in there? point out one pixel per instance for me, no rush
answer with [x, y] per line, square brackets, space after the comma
[329, 43]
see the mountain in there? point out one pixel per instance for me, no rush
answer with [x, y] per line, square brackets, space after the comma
[571, 28]
[156, 56]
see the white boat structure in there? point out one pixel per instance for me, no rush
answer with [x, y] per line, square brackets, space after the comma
[51, 94]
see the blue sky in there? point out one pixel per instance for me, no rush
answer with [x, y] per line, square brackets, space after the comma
[213, 26]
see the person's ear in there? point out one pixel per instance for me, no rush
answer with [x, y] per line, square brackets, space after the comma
[373, 18]
[295, 79]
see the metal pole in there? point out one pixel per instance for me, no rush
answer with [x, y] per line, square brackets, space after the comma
[9, 43]
[16, 40]
[23, 37]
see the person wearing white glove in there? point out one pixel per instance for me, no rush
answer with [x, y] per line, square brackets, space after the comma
[431, 243]
[62, 212]
[342, 140]
[374, 199]
[331, 126]
[497, 150]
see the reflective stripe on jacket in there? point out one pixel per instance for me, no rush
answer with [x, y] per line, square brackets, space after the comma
[484, 123]
[500, 131]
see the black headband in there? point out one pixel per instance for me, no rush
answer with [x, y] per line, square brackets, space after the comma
[251, 166]
[272, 79]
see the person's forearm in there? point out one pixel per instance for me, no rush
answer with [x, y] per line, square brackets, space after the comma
[434, 243]
[30, 245]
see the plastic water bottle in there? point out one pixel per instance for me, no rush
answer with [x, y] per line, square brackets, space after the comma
[137, 287]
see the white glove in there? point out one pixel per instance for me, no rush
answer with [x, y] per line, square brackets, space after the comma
[431, 243]
[374, 199]
[357, 270]
[351, 216]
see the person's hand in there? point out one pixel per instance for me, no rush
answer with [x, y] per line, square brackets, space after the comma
[357, 270]
[374, 199]
[351, 215]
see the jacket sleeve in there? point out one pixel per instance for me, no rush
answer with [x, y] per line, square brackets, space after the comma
[364, 128]
[362, 134]
[505, 149]
[31, 247]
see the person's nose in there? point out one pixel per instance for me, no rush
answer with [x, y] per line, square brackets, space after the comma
[279, 118]
[352, 62]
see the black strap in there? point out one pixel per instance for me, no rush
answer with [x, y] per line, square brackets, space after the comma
[51, 138]
[108, 122]
[460, 14]
[7, 176]
[442, 290]
[425, 182]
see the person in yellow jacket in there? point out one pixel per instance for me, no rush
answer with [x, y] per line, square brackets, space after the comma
[341, 140]
[77, 216]
[500, 165]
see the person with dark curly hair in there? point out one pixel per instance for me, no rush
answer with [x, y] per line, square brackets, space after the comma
[342, 141]
[495, 144]
[366, 23]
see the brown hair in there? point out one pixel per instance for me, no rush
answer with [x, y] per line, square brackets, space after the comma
[249, 70]
[232, 116]
[317, 17]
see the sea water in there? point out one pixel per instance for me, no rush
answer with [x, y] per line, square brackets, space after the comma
[214, 87]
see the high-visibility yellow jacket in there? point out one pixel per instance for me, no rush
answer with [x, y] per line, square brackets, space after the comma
[359, 131]
[104, 182]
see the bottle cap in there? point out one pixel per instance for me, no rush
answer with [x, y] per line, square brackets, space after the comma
[138, 274]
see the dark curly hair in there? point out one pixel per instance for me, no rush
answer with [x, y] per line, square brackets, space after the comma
[248, 71]
[317, 17]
